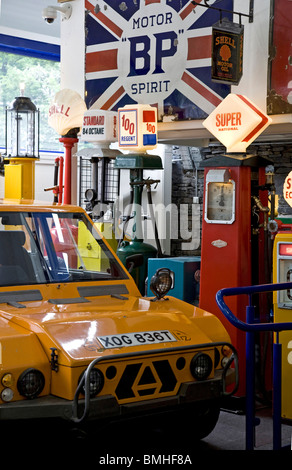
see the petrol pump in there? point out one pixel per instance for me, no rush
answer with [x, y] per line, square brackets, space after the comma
[137, 133]
[99, 129]
[282, 272]
[235, 248]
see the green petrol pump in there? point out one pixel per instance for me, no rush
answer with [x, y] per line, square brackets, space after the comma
[137, 126]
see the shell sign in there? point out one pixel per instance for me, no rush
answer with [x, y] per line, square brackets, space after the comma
[237, 122]
[66, 111]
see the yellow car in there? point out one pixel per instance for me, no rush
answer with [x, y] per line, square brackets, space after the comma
[79, 342]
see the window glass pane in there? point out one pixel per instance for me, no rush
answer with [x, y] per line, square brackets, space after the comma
[41, 79]
[40, 247]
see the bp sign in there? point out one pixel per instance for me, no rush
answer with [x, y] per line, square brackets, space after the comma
[155, 52]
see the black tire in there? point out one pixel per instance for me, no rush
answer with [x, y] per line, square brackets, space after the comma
[205, 419]
[192, 423]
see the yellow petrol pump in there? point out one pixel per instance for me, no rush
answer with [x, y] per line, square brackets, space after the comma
[282, 272]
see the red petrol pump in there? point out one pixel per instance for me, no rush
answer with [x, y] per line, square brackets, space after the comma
[235, 249]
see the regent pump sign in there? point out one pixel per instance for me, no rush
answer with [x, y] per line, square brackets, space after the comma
[155, 52]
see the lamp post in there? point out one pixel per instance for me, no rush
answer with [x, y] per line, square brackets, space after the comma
[22, 148]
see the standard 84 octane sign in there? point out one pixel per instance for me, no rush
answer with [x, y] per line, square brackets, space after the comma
[99, 126]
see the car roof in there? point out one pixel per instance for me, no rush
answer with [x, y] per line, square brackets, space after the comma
[24, 205]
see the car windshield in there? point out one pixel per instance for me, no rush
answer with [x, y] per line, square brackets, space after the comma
[48, 247]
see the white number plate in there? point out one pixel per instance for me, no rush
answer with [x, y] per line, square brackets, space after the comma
[136, 339]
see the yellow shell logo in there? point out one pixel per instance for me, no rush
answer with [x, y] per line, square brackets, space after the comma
[225, 52]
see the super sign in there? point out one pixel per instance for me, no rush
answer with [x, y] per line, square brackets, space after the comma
[287, 189]
[154, 52]
[237, 122]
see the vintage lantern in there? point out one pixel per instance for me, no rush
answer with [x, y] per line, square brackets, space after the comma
[22, 129]
[22, 148]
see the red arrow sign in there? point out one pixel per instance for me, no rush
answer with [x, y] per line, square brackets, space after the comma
[264, 119]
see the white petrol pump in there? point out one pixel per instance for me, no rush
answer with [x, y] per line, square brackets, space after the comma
[99, 128]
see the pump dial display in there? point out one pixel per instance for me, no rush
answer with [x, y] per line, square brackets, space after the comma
[220, 202]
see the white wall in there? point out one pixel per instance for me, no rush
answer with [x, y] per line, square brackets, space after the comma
[253, 83]
[73, 49]
[23, 18]
[44, 178]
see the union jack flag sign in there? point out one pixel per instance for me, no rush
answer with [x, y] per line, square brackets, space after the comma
[155, 52]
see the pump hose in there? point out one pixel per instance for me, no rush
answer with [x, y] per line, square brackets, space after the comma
[149, 196]
[128, 217]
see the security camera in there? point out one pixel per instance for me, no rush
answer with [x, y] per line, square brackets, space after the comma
[50, 13]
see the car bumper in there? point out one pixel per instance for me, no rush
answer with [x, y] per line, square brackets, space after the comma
[107, 407]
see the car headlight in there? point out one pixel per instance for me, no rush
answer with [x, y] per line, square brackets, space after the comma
[161, 282]
[31, 383]
[201, 366]
[7, 394]
[96, 382]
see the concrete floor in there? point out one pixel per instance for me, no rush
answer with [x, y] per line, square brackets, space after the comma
[230, 433]
[139, 443]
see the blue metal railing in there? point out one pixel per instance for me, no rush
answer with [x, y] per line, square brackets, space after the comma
[252, 326]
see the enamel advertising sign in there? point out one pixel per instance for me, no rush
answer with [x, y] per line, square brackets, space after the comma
[155, 52]
[237, 122]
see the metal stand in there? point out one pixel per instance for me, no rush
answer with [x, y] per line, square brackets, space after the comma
[251, 327]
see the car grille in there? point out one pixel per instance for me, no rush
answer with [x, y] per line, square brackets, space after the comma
[140, 380]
